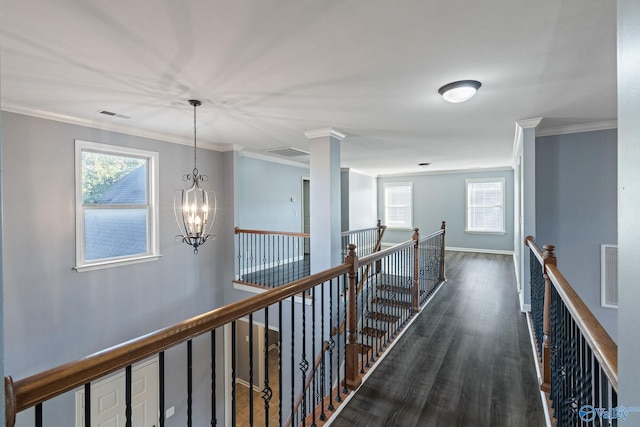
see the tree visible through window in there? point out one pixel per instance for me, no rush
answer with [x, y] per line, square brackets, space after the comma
[485, 205]
[398, 204]
[116, 218]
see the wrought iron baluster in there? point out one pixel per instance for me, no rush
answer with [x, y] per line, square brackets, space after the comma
[267, 393]
[233, 373]
[214, 417]
[127, 394]
[161, 402]
[38, 413]
[87, 408]
[189, 383]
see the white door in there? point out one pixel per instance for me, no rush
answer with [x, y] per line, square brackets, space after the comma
[108, 399]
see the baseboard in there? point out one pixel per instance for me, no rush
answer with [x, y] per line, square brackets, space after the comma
[255, 387]
[525, 308]
[478, 250]
[543, 396]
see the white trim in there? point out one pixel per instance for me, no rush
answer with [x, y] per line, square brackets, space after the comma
[359, 172]
[515, 267]
[585, 127]
[479, 250]
[256, 387]
[111, 127]
[445, 172]
[529, 123]
[152, 159]
[525, 308]
[273, 159]
[321, 133]
[269, 265]
[543, 396]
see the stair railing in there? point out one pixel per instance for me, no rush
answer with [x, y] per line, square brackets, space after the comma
[577, 357]
[307, 313]
[271, 258]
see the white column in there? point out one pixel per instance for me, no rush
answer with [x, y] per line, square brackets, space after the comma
[628, 206]
[324, 147]
[527, 195]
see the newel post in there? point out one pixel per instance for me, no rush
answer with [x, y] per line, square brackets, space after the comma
[9, 402]
[352, 374]
[416, 281]
[442, 276]
[549, 258]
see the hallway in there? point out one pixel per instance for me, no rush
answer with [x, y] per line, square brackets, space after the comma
[466, 360]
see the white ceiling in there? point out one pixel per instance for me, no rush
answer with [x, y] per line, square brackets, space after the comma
[269, 70]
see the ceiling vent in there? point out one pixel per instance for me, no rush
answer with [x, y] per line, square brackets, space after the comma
[112, 114]
[288, 152]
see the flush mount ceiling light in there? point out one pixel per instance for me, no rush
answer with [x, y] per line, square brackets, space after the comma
[194, 207]
[459, 91]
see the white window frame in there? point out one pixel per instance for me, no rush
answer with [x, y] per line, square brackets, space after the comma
[468, 208]
[153, 250]
[387, 185]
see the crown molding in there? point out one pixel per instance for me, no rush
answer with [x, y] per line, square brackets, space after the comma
[273, 159]
[111, 127]
[529, 123]
[319, 133]
[445, 172]
[585, 127]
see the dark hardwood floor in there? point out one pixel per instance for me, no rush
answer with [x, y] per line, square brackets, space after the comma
[465, 361]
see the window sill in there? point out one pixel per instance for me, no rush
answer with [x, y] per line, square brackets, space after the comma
[495, 233]
[115, 263]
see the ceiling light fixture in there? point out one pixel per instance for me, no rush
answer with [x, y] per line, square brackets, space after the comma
[459, 91]
[194, 207]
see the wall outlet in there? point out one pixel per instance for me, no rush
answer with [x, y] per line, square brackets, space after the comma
[170, 412]
[247, 338]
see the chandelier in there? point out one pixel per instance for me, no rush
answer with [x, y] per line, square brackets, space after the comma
[194, 207]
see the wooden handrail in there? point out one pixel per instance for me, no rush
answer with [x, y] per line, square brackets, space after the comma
[40, 387]
[601, 343]
[362, 230]
[279, 233]
[530, 241]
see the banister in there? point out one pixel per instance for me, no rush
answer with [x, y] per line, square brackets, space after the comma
[280, 233]
[45, 385]
[603, 346]
[530, 241]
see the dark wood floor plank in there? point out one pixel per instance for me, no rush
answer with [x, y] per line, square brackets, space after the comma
[465, 361]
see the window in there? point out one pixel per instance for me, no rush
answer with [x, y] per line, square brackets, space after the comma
[485, 205]
[116, 214]
[398, 205]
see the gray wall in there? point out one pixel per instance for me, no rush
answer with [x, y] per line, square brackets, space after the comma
[359, 200]
[264, 195]
[441, 197]
[54, 314]
[576, 208]
[629, 204]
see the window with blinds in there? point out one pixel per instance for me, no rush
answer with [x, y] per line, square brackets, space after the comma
[398, 204]
[485, 205]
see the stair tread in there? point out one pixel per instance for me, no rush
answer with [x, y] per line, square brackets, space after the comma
[383, 317]
[373, 332]
[391, 303]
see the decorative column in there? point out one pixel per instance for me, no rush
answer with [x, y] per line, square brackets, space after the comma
[325, 227]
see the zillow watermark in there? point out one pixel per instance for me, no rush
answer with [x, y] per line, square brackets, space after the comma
[589, 413]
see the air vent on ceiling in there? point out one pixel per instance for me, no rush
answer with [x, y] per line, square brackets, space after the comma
[112, 114]
[288, 152]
